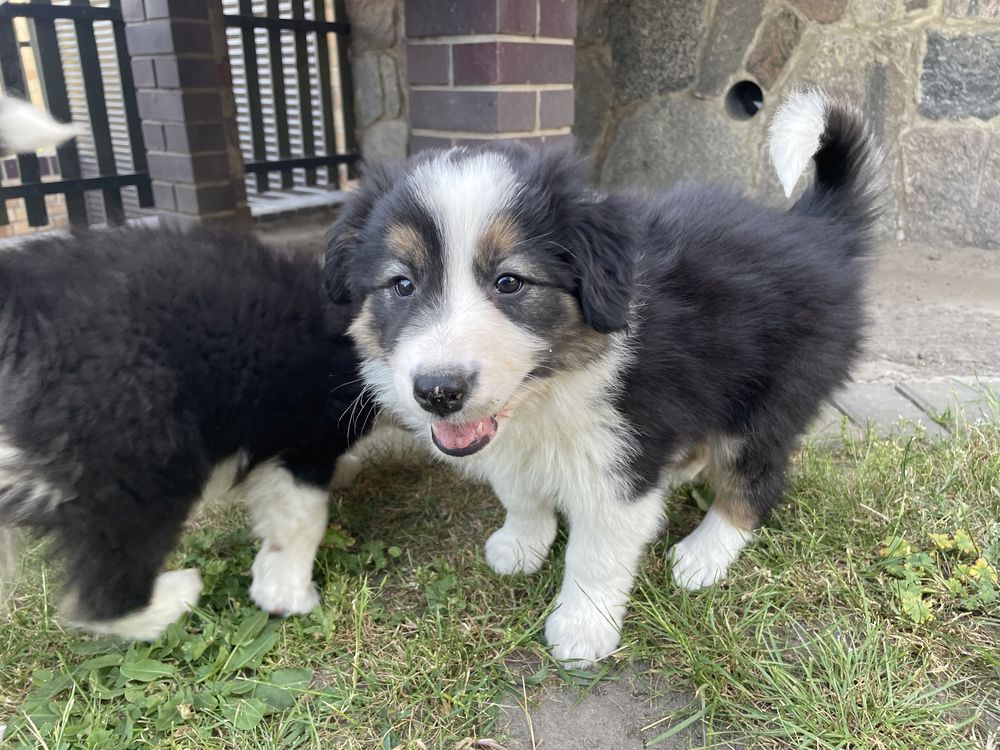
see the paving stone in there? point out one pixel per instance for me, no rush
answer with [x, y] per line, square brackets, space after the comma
[965, 403]
[592, 20]
[945, 202]
[885, 408]
[959, 77]
[372, 24]
[733, 27]
[654, 46]
[972, 8]
[593, 98]
[682, 138]
[829, 426]
[385, 141]
[611, 716]
[775, 43]
[824, 11]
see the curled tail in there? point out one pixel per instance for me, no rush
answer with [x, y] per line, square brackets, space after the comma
[848, 184]
[23, 128]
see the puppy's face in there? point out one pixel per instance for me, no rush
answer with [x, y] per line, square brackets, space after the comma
[478, 275]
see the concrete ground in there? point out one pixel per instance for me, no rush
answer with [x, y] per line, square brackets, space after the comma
[935, 313]
[935, 321]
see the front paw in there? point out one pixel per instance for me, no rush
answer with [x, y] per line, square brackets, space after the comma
[697, 565]
[280, 590]
[579, 636]
[508, 554]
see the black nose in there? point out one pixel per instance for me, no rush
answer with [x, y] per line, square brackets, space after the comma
[443, 393]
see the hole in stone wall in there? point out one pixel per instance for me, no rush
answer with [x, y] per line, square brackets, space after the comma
[744, 100]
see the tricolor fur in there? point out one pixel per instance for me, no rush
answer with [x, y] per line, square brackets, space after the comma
[583, 352]
[139, 367]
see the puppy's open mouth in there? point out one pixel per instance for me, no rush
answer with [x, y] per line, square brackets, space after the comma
[464, 438]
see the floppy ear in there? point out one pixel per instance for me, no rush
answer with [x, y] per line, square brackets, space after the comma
[602, 254]
[342, 236]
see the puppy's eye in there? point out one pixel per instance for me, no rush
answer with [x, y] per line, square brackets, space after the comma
[509, 285]
[403, 287]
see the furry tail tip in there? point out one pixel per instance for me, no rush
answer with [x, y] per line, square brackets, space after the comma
[24, 128]
[809, 126]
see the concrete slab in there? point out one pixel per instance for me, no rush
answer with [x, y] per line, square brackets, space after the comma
[885, 408]
[959, 402]
[829, 426]
[624, 714]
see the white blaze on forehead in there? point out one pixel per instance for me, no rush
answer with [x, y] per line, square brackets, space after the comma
[464, 330]
[463, 193]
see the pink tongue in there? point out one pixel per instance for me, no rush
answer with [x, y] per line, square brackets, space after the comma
[458, 438]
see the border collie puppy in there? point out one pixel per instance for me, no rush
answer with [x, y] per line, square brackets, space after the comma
[133, 363]
[584, 352]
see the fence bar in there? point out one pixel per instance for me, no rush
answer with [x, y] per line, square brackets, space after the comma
[135, 138]
[346, 91]
[249, 39]
[303, 163]
[52, 12]
[325, 91]
[305, 90]
[93, 82]
[287, 24]
[278, 90]
[57, 100]
[13, 83]
[39, 189]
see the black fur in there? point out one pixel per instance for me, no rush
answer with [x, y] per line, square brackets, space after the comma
[739, 319]
[133, 361]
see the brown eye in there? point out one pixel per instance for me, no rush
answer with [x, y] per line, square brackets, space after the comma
[403, 287]
[509, 285]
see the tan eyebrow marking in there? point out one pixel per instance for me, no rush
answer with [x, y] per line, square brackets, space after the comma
[496, 242]
[407, 244]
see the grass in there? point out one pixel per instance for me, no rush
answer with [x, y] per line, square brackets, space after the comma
[811, 643]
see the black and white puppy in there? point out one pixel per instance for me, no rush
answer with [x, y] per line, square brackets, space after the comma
[584, 352]
[136, 365]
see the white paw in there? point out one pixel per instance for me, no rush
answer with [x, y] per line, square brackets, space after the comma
[174, 593]
[581, 635]
[695, 566]
[279, 587]
[703, 557]
[347, 468]
[507, 554]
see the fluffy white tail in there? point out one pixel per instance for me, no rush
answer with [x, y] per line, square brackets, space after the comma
[795, 134]
[24, 128]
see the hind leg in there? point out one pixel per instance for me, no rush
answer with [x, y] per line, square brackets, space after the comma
[113, 565]
[748, 478]
[289, 514]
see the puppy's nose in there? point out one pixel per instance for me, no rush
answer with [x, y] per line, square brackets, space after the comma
[443, 393]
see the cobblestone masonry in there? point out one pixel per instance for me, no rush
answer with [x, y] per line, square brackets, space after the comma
[652, 80]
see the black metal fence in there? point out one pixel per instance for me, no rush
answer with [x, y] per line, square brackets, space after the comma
[265, 108]
[43, 16]
[292, 88]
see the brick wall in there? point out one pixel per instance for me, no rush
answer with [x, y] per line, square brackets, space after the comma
[490, 70]
[184, 91]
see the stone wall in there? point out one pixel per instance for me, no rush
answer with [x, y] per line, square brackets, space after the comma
[656, 103]
[378, 65]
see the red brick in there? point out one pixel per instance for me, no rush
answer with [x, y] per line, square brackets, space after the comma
[428, 63]
[477, 111]
[424, 142]
[512, 62]
[555, 109]
[557, 18]
[452, 17]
